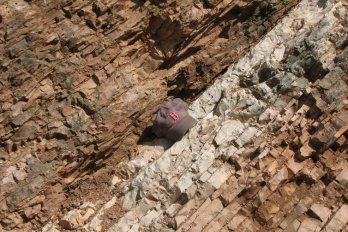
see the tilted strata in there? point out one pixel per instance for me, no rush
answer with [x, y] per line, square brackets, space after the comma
[269, 152]
[80, 80]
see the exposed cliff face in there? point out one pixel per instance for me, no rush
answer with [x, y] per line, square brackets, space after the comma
[80, 81]
[269, 152]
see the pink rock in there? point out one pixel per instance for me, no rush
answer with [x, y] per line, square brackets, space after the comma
[279, 177]
[339, 220]
[342, 178]
[320, 212]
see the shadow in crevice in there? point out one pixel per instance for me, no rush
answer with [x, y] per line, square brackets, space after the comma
[235, 15]
[322, 3]
[147, 136]
[139, 2]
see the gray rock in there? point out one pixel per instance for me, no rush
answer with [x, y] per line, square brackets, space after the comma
[136, 164]
[222, 107]
[287, 82]
[229, 131]
[17, 48]
[267, 115]
[204, 161]
[173, 209]
[25, 132]
[261, 91]
[125, 223]
[149, 218]
[14, 24]
[206, 103]
[62, 132]
[247, 136]
[338, 92]
[185, 182]
[25, 116]
[130, 199]
[77, 120]
[254, 110]
[267, 70]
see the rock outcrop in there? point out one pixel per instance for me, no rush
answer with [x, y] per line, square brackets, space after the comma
[270, 150]
[80, 81]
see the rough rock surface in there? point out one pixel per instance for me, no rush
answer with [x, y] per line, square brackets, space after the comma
[80, 81]
[270, 150]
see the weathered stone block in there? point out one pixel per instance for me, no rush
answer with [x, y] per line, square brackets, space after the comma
[247, 136]
[320, 212]
[342, 178]
[339, 220]
[229, 131]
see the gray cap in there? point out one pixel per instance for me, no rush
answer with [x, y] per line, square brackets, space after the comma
[172, 120]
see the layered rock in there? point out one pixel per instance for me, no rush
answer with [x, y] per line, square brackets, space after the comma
[80, 81]
[270, 150]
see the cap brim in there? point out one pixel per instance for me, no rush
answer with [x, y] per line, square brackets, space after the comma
[178, 130]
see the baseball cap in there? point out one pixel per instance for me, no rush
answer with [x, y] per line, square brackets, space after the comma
[172, 120]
